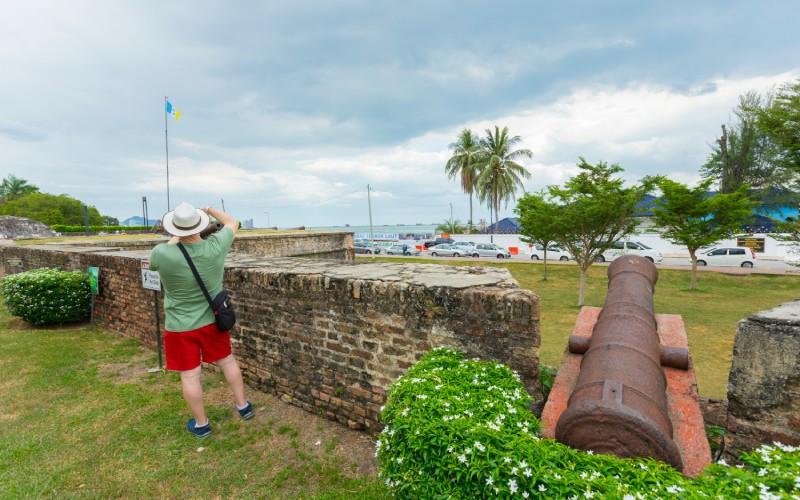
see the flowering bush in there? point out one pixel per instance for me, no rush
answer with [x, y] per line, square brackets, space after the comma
[462, 429]
[45, 296]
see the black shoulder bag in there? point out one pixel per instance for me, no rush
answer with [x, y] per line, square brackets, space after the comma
[221, 305]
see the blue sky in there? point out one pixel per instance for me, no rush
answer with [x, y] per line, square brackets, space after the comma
[293, 108]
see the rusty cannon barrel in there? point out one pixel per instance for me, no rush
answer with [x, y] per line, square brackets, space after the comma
[619, 404]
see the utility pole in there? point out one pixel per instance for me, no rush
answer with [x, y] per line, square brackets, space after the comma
[144, 211]
[223, 204]
[371, 238]
[451, 213]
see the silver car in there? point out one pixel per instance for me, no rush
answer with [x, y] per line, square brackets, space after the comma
[466, 246]
[446, 250]
[402, 250]
[490, 250]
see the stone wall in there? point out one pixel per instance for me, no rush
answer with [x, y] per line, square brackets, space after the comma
[764, 385]
[328, 336]
[316, 244]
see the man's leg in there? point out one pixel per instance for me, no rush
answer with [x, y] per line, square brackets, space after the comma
[233, 374]
[193, 394]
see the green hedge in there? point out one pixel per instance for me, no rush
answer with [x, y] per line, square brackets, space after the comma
[459, 428]
[45, 296]
[96, 229]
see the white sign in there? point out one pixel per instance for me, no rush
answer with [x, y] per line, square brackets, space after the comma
[151, 280]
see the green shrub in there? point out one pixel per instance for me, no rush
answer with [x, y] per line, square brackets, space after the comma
[44, 296]
[459, 428]
[547, 376]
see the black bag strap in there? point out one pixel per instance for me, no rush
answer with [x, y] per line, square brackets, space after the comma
[197, 276]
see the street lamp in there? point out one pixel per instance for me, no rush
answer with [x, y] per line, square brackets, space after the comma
[267, 219]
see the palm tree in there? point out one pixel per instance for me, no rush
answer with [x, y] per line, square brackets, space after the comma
[462, 164]
[499, 174]
[450, 227]
[13, 187]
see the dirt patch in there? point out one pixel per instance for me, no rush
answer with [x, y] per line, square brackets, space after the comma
[132, 370]
[20, 324]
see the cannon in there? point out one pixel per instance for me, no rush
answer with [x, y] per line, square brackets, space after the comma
[619, 404]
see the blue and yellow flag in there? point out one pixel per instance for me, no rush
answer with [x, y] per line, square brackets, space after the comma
[171, 110]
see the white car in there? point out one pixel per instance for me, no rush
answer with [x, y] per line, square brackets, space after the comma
[620, 248]
[490, 250]
[727, 256]
[553, 253]
[446, 250]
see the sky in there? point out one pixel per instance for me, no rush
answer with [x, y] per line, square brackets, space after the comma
[289, 110]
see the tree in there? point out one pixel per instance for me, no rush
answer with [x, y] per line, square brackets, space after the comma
[13, 187]
[752, 150]
[780, 119]
[538, 218]
[499, 174]
[50, 209]
[692, 217]
[462, 164]
[450, 227]
[594, 212]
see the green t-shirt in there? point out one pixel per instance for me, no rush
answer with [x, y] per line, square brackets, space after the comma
[185, 306]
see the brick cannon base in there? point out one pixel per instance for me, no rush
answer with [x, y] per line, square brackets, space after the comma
[682, 398]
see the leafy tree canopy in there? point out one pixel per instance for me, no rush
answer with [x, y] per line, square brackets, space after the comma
[781, 120]
[594, 211]
[51, 209]
[693, 218]
[538, 219]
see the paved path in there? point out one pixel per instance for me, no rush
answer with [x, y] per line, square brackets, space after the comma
[763, 266]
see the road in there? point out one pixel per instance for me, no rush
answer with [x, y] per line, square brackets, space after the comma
[763, 266]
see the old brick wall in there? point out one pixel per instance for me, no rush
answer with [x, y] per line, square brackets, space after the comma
[332, 336]
[316, 244]
[328, 336]
[764, 386]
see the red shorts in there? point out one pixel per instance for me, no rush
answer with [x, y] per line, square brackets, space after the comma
[185, 350]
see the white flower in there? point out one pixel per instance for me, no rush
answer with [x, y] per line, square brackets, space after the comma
[512, 486]
[489, 481]
[514, 471]
[507, 460]
[525, 494]
[523, 464]
[588, 494]
[674, 489]
[542, 488]
[462, 459]
[527, 472]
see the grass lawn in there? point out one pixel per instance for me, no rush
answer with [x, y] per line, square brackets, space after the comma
[710, 313]
[80, 417]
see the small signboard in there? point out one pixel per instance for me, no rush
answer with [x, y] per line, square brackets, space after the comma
[94, 280]
[151, 280]
[755, 244]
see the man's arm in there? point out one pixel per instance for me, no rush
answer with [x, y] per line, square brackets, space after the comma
[223, 218]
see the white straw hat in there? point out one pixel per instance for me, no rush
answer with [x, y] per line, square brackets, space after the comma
[185, 220]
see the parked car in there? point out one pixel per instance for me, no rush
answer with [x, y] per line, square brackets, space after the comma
[727, 256]
[446, 250]
[365, 247]
[467, 246]
[490, 250]
[438, 241]
[620, 248]
[553, 253]
[398, 249]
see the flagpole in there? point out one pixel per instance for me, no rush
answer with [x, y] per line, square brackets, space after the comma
[166, 142]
